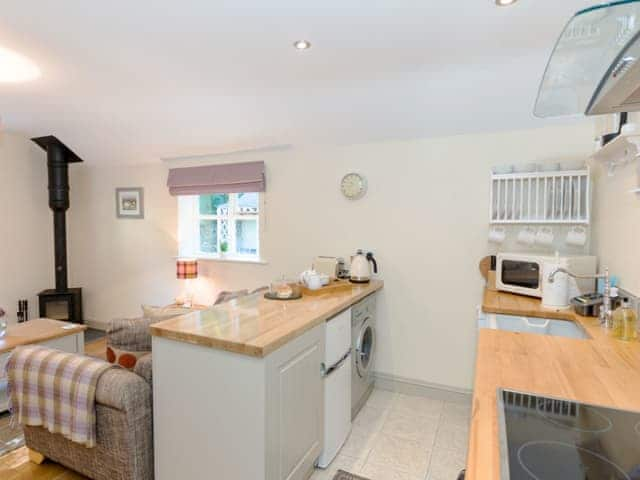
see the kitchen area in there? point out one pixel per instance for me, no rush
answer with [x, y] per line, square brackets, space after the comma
[551, 403]
[556, 387]
[276, 376]
[428, 288]
[557, 372]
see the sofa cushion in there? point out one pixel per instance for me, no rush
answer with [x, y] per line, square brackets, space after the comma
[128, 339]
[144, 368]
[130, 334]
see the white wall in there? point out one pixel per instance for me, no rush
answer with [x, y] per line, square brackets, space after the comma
[617, 219]
[425, 217]
[617, 213]
[121, 263]
[26, 224]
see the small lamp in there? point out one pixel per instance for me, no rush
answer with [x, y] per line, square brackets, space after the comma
[187, 269]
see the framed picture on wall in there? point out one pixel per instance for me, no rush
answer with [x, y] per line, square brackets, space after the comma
[130, 202]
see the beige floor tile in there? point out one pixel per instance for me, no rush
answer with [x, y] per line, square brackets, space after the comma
[417, 406]
[446, 464]
[447, 460]
[448, 474]
[381, 399]
[395, 453]
[359, 444]
[456, 412]
[452, 437]
[369, 420]
[378, 472]
[419, 429]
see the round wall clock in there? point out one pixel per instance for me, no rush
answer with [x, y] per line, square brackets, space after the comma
[353, 186]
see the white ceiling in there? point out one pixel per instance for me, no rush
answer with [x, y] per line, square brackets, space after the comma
[136, 81]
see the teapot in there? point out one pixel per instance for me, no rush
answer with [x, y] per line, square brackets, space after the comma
[311, 279]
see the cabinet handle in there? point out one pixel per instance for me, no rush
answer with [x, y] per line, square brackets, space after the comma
[327, 371]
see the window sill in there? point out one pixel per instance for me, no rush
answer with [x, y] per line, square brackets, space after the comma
[256, 261]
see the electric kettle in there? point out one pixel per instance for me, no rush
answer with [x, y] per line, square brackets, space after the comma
[361, 268]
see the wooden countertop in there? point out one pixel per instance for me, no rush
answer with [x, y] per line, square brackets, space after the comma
[37, 330]
[255, 326]
[600, 370]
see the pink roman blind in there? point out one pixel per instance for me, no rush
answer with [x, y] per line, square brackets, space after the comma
[227, 178]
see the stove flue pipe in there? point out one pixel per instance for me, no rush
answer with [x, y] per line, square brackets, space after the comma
[59, 156]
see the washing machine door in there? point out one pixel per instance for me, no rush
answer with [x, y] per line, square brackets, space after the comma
[365, 348]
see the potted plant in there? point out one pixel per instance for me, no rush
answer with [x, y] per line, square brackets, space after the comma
[224, 248]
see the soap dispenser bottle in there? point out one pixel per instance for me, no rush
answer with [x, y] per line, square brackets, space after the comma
[625, 322]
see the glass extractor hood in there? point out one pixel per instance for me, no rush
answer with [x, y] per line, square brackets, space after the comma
[595, 52]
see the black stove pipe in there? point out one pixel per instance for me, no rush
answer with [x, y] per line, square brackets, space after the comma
[59, 203]
[58, 158]
[60, 241]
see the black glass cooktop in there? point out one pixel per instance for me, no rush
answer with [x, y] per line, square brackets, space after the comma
[551, 439]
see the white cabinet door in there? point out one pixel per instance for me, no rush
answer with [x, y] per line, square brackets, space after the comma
[295, 407]
[70, 343]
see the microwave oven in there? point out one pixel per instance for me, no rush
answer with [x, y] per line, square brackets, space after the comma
[522, 273]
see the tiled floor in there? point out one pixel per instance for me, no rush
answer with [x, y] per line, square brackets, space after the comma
[401, 437]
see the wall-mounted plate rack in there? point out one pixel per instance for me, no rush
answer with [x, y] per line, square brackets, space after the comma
[557, 197]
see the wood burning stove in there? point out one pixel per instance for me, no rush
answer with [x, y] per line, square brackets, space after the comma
[61, 303]
[66, 306]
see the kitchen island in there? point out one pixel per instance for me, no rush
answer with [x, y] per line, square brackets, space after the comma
[238, 390]
[599, 370]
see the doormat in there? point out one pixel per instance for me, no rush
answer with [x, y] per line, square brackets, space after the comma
[342, 475]
[10, 438]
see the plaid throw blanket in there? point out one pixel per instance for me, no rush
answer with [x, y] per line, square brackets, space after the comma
[55, 390]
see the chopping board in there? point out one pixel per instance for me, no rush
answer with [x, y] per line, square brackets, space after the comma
[333, 287]
[485, 266]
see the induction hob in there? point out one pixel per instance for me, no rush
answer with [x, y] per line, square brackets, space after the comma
[544, 438]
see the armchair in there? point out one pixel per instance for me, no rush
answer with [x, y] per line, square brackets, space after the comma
[124, 444]
[124, 416]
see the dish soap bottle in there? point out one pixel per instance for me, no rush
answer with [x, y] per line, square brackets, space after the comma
[625, 322]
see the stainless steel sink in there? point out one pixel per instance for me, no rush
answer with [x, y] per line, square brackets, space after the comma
[540, 326]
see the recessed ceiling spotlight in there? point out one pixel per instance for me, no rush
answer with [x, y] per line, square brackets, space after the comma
[16, 68]
[302, 45]
[505, 3]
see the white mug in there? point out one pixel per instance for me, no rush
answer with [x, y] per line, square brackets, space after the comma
[544, 236]
[497, 235]
[577, 236]
[527, 236]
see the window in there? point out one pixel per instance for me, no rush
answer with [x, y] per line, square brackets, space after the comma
[222, 225]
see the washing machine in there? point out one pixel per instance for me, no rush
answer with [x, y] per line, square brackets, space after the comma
[363, 337]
